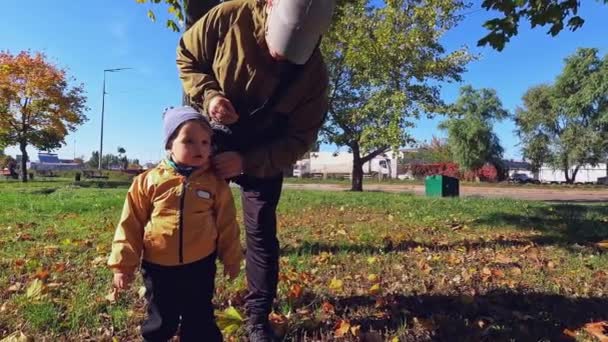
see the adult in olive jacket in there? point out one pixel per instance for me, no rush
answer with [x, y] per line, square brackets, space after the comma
[255, 68]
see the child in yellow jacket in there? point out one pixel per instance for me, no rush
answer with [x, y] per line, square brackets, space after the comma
[176, 219]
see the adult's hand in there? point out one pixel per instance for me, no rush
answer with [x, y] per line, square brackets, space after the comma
[222, 111]
[228, 164]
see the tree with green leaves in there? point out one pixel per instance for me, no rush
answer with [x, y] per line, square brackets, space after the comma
[39, 105]
[565, 124]
[93, 161]
[470, 128]
[124, 161]
[8, 162]
[4, 159]
[109, 160]
[556, 14]
[381, 62]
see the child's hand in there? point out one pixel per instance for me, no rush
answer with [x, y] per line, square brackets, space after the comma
[122, 281]
[228, 164]
[222, 111]
[232, 271]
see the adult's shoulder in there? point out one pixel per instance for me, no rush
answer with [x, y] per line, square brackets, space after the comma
[231, 8]
[226, 14]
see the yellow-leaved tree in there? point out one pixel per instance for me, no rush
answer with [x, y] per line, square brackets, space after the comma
[39, 105]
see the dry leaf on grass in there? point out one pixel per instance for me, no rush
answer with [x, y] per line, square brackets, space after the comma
[141, 292]
[598, 329]
[17, 336]
[112, 295]
[229, 320]
[328, 307]
[342, 328]
[602, 244]
[295, 292]
[279, 324]
[375, 289]
[35, 289]
[336, 285]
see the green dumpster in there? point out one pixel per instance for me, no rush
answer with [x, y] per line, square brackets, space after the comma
[441, 186]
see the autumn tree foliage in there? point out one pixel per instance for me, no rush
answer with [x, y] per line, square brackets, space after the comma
[38, 104]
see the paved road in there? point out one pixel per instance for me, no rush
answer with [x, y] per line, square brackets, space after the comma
[537, 194]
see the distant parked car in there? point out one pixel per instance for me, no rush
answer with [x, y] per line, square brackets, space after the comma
[522, 178]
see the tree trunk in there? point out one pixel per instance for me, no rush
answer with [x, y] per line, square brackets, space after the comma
[23, 148]
[571, 177]
[357, 175]
[567, 174]
[574, 173]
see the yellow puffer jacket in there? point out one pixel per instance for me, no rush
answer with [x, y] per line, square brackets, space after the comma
[176, 220]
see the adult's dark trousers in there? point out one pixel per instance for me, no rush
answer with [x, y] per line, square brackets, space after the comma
[260, 197]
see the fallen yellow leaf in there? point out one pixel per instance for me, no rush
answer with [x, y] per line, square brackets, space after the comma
[34, 291]
[342, 329]
[17, 336]
[229, 320]
[141, 292]
[375, 289]
[336, 285]
[516, 271]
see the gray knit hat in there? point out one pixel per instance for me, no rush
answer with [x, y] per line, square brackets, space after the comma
[174, 117]
[295, 27]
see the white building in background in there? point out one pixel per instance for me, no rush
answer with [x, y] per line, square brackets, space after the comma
[340, 164]
[548, 174]
[586, 174]
[50, 161]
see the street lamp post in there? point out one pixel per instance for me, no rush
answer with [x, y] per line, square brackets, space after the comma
[103, 98]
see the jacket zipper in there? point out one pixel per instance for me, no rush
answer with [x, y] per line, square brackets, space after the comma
[181, 222]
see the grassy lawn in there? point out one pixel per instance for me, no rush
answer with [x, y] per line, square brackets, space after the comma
[355, 266]
[375, 181]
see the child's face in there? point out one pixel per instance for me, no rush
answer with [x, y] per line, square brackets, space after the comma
[192, 145]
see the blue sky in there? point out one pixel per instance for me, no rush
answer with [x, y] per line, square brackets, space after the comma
[117, 33]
